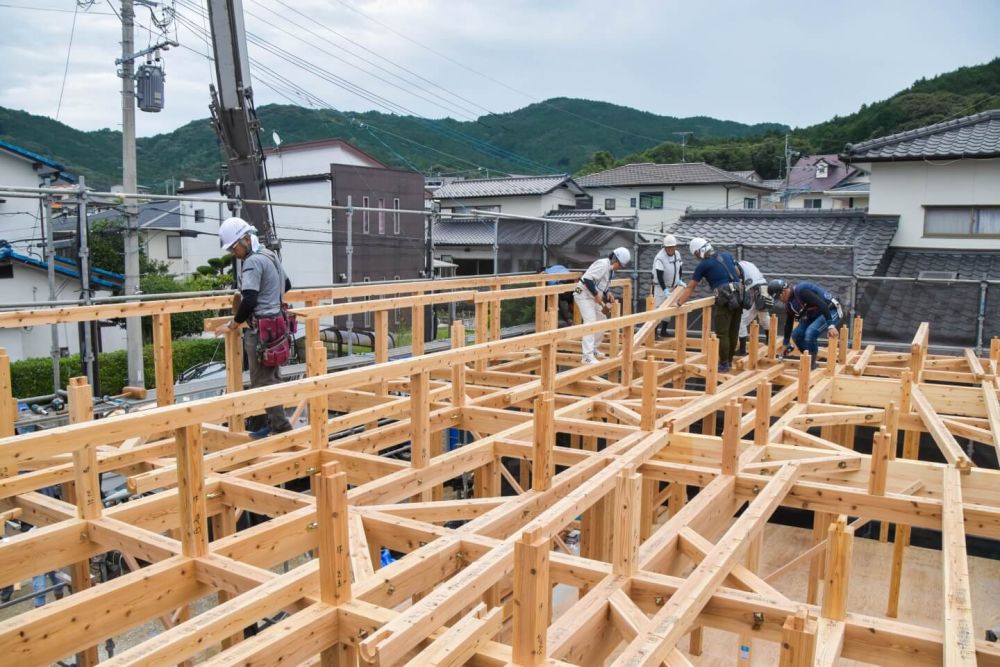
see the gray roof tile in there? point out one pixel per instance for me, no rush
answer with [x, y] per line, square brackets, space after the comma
[650, 173]
[504, 187]
[798, 240]
[968, 265]
[976, 136]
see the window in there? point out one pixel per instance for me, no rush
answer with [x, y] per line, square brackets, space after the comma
[6, 270]
[395, 311]
[609, 204]
[822, 170]
[368, 314]
[749, 202]
[199, 215]
[173, 247]
[381, 216]
[650, 200]
[395, 217]
[467, 210]
[962, 221]
[812, 203]
[631, 202]
[365, 216]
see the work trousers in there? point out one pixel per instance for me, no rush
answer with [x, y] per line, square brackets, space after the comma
[763, 317]
[806, 334]
[726, 324]
[589, 312]
[264, 376]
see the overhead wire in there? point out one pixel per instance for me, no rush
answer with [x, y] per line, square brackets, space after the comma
[69, 51]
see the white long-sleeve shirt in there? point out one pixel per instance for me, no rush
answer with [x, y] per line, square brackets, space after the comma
[752, 277]
[599, 272]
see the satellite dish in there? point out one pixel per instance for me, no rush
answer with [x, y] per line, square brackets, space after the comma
[276, 138]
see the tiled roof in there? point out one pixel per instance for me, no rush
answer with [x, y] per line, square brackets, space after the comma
[797, 241]
[803, 175]
[968, 265]
[774, 183]
[976, 136]
[893, 309]
[852, 188]
[41, 159]
[479, 232]
[650, 173]
[749, 174]
[505, 187]
[66, 266]
[158, 215]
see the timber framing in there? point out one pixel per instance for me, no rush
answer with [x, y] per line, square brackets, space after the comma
[667, 471]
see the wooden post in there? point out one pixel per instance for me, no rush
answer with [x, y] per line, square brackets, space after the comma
[628, 368]
[905, 392]
[551, 312]
[753, 348]
[543, 466]
[547, 367]
[842, 344]
[417, 330]
[856, 336]
[706, 326]
[805, 368]
[420, 427]
[680, 349]
[798, 640]
[8, 406]
[896, 573]
[711, 381]
[649, 391]
[163, 366]
[839, 549]
[821, 522]
[532, 598]
[482, 321]
[959, 641]
[87, 488]
[831, 355]
[224, 525]
[879, 463]
[334, 551]
[762, 416]
[191, 491]
[541, 314]
[234, 369]
[319, 423]
[650, 508]
[628, 505]
[382, 343]
[614, 340]
[457, 370]
[495, 317]
[731, 438]
[772, 337]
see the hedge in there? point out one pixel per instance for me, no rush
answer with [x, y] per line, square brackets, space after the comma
[33, 377]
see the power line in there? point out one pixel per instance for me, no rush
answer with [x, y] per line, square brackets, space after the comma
[69, 50]
[51, 9]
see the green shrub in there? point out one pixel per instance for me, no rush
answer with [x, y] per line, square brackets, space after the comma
[33, 377]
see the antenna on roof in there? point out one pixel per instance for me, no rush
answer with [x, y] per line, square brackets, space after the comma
[684, 140]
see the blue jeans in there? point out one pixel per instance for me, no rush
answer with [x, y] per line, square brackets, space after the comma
[806, 334]
[38, 585]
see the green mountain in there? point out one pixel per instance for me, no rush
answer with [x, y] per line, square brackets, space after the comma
[965, 91]
[559, 135]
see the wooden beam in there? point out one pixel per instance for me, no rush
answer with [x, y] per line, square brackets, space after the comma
[532, 600]
[163, 366]
[191, 491]
[959, 628]
[543, 464]
[946, 442]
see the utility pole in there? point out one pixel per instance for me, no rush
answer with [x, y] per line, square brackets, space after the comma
[133, 325]
[50, 261]
[684, 138]
[788, 169]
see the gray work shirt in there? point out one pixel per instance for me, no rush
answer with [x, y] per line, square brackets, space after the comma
[261, 272]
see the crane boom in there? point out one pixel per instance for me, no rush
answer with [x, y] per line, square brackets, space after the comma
[235, 119]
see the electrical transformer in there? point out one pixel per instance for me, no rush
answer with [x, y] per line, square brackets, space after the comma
[149, 87]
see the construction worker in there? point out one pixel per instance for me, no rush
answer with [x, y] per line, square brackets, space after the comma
[565, 300]
[760, 303]
[593, 297]
[262, 284]
[666, 275]
[816, 309]
[722, 273]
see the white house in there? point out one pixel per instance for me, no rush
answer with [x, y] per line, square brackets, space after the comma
[386, 245]
[943, 181]
[511, 195]
[660, 193]
[24, 280]
[21, 168]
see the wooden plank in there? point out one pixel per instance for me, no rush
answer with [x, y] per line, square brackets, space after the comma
[992, 413]
[8, 406]
[461, 641]
[532, 600]
[946, 442]
[191, 491]
[959, 639]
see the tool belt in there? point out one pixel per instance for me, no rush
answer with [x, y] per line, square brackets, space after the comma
[274, 337]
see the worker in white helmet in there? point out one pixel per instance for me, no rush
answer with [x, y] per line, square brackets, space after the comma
[262, 284]
[725, 279]
[760, 303]
[666, 275]
[593, 296]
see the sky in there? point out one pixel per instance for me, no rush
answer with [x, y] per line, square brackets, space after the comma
[764, 61]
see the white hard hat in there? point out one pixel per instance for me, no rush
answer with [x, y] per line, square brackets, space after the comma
[232, 230]
[669, 241]
[699, 247]
[623, 256]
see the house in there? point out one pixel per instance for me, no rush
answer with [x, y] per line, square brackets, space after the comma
[19, 217]
[24, 280]
[658, 194]
[383, 245]
[824, 182]
[943, 181]
[512, 195]
[468, 242]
